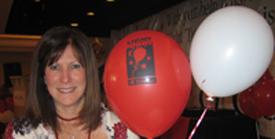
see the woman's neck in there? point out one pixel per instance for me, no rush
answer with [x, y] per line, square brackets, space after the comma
[68, 112]
[67, 119]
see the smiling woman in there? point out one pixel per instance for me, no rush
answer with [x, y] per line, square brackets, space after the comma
[64, 99]
[65, 80]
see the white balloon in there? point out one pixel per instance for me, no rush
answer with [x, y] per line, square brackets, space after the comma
[230, 51]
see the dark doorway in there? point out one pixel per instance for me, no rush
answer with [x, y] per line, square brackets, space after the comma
[11, 69]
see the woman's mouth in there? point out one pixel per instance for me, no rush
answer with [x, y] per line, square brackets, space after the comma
[66, 90]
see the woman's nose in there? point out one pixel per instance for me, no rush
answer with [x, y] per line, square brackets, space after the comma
[65, 76]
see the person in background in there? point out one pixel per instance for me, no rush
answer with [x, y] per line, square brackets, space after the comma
[266, 127]
[63, 100]
[100, 53]
[99, 50]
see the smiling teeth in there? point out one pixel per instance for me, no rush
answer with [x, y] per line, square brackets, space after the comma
[66, 90]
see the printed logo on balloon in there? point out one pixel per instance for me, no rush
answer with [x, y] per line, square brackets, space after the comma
[140, 62]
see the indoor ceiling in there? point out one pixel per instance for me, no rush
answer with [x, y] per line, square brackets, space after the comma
[34, 17]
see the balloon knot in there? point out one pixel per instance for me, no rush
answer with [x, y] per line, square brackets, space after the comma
[209, 98]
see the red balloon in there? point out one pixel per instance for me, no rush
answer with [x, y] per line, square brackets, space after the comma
[2, 106]
[247, 104]
[148, 92]
[266, 76]
[264, 97]
[9, 101]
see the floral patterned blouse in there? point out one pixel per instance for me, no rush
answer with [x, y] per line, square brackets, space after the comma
[20, 128]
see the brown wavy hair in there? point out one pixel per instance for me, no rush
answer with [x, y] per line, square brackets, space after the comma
[39, 107]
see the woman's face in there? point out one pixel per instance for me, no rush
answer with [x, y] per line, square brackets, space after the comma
[65, 80]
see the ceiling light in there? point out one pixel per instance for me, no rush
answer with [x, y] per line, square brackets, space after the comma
[90, 13]
[36, 0]
[74, 24]
[110, 0]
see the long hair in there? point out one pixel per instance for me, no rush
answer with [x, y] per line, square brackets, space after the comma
[40, 108]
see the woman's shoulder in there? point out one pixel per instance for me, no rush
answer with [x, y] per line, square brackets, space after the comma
[19, 125]
[111, 117]
[116, 127]
[22, 128]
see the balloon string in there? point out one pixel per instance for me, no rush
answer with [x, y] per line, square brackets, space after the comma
[201, 117]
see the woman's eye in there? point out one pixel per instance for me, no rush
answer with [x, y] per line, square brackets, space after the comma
[75, 66]
[54, 67]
